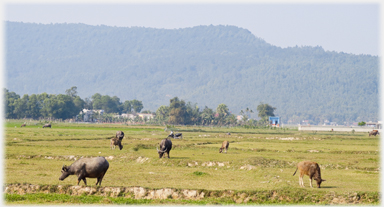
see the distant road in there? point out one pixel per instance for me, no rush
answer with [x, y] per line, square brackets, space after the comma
[336, 128]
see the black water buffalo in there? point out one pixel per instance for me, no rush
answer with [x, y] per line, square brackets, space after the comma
[47, 125]
[165, 147]
[120, 135]
[374, 133]
[95, 167]
[176, 136]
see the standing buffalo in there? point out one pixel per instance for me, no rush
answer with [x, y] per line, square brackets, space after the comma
[312, 169]
[120, 135]
[176, 136]
[165, 147]
[224, 146]
[95, 167]
[374, 133]
[47, 125]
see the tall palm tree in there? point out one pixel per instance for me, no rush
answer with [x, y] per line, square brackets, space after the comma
[207, 116]
[223, 111]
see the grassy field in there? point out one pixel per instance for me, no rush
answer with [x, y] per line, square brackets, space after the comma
[257, 159]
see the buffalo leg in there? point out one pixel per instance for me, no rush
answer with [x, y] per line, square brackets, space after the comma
[85, 181]
[99, 179]
[81, 177]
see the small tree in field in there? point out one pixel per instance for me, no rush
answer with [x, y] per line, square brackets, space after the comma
[361, 123]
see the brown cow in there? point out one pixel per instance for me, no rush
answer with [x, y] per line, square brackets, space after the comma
[374, 133]
[23, 125]
[312, 169]
[116, 141]
[224, 146]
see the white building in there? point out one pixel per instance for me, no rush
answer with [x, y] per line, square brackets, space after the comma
[89, 115]
[146, 116]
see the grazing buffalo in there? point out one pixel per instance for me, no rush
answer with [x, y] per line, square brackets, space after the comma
[176, 136]
[95, 167]
[374, 133]
[115, 141]
[224, 146]
[165, 147]
[312, 169]
[23, 125]
[120, 135]
[47, 125]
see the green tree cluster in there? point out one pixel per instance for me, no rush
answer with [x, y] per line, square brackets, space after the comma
[42, 105]
[179, 112]
[64, 106]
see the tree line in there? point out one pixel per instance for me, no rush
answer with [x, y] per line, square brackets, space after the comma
[69, 105]
[63, 106]
[180, 112]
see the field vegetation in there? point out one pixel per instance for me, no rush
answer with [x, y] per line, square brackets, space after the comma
[258, 160]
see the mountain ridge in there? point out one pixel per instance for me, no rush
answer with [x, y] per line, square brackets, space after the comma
[207, 65]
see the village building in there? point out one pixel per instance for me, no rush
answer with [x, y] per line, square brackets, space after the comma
[90, 115]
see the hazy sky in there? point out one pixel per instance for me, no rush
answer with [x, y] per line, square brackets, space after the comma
[351, 27]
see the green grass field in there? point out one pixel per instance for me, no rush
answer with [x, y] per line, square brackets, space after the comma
[257, 159]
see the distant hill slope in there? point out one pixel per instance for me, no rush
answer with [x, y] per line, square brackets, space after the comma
[207, 65]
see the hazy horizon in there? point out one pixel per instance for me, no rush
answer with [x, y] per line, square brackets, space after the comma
[349, 28]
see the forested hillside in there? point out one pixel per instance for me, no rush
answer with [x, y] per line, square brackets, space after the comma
[207, 65]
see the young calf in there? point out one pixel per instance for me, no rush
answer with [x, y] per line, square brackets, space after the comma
[224, 145]
[312, 169]
[116, 141]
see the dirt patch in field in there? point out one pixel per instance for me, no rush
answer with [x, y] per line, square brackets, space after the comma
[208, 164]
[247, 167]
[146, 139]
[142, 159]
[266, 163]
[242, 197]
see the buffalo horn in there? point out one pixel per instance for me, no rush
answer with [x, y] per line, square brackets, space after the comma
[164, 150]
[160, 150]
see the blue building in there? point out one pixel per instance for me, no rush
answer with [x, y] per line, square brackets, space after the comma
[274, 121]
